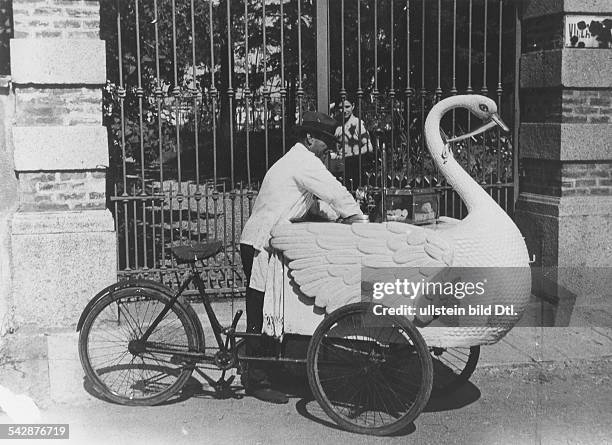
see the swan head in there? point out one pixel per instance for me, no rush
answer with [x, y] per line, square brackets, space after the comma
[482, 107]
[485, 109]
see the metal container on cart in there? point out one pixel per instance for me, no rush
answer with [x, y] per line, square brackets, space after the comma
[412, 206]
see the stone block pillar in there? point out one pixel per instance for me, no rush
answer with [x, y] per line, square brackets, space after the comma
[565, 203]
[8, 203]
[62, 236]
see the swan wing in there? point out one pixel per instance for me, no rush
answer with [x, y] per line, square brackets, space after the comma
[326, 260]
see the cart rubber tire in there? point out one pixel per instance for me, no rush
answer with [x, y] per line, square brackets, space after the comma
[371, 364]
[462, 365]
[142, 366]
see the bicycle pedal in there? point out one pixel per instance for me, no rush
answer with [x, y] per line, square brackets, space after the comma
[223, 387]
[223, 383]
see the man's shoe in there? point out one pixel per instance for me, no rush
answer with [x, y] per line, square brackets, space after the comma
[258, 378]
[268, 395]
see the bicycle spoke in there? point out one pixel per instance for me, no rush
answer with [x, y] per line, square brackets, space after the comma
[389, 411]
[125, 374]
[358, 390]
[395, 395]
[392, 367]
[345, 383]
[133, 329]
[118, 376]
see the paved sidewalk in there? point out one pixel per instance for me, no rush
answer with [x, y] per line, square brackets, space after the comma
[535, 386]
[545, 403]
[52, 372]
[534, 345]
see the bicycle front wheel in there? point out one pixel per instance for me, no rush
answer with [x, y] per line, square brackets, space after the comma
[119, 370]
[371, 374]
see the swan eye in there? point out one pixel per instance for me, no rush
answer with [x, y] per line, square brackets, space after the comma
[484, 108]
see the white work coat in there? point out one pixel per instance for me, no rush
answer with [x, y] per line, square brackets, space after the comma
[288, 192]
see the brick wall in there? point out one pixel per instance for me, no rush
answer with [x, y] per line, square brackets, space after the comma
[586, 179]
[567, 178]
[71, 19]
[567, 106]
[68, 190]
[58, 106]
[590, 106]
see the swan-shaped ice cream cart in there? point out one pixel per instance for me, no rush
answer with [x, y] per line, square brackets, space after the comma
[351, 288]
[369, 367]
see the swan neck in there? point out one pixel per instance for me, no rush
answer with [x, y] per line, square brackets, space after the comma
[468, 189]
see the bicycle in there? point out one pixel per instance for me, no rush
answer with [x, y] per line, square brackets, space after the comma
[140, 341]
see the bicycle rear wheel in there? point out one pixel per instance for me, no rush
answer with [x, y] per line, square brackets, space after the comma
[123, 373]
[370, 374]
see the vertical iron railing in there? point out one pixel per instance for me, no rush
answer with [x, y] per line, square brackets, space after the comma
[204, 94]
[359, 94]
[192, 133]
[456, 42]
[408, 91]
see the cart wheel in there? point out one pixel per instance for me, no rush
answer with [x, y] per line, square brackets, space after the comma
[452, 367]
[371, 374]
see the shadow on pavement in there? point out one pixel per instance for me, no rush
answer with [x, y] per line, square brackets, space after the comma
[462, 396]
[293, 381]
[311, 410]
[192, 388]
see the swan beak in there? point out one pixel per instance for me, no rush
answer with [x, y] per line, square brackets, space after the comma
[495, 118]
[479, 130]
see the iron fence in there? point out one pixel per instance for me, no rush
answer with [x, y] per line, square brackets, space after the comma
[404, 57]
[202, 96]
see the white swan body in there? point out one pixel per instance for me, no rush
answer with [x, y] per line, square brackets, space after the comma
[326, 259]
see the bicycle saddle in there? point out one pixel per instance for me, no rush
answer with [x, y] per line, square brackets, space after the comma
[198, 251]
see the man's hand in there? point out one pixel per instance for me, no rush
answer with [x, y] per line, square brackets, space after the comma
[356, 218]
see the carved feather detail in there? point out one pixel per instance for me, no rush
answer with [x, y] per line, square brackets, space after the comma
[306, 263]
[416, 237]
[326, 259]
[408, 255]
[373, 246]
[336, 242]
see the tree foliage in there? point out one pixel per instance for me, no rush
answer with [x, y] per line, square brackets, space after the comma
[164, 64]
[166, 69]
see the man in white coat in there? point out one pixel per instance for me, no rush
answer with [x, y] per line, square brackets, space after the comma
[288, 191]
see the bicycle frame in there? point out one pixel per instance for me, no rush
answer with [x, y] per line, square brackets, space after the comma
[227, 346]
[193, 276]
